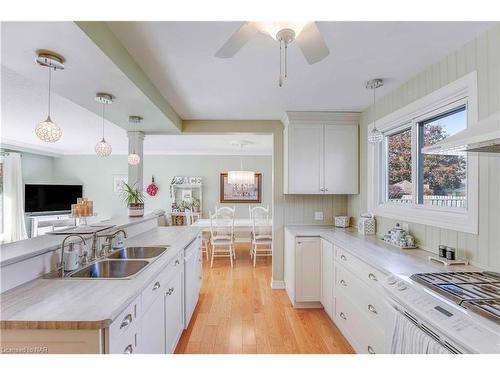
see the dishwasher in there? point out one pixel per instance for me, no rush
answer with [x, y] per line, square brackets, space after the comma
[192, 278]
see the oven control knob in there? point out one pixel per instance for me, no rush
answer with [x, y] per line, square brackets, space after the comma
[391, 280]
[401, 285]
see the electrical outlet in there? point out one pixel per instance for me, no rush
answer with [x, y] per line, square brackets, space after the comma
[318, 215]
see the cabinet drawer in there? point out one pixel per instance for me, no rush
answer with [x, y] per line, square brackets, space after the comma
[158, 285]
[364, 336]
[370, 302]
[361, 269]
[124, 328]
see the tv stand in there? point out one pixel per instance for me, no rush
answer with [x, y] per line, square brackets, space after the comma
[39, 224]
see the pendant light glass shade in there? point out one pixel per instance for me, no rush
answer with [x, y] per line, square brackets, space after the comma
[375, 135]
[103, 148]
[241, 177]
[48, 131]
[133, 159]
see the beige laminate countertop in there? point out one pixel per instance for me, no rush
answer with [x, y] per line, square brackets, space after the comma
[87, 304]
[377, 253]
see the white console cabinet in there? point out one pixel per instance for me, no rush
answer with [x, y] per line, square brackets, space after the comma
[321, 153]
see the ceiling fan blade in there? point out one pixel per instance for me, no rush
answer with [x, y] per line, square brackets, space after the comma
[237, 40]
[312, 44]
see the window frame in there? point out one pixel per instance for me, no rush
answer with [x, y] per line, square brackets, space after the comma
[461, 92]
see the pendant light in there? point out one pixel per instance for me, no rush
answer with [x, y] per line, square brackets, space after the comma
[103, 148]
[134, 158]
[241, 177]
[47, 130]
[375, 135]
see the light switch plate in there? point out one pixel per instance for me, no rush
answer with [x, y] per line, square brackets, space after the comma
[318, 215]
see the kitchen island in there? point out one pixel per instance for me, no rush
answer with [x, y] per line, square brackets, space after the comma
[94, 315]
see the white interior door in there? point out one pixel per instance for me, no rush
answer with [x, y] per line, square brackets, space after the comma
[341, 159]
[305, 159]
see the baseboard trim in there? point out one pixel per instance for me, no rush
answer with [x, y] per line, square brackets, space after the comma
[278, 284]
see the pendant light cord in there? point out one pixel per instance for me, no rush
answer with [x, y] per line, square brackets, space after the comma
[374, 108]
[103, 120]
[50, 86]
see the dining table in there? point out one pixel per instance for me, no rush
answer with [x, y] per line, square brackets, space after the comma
[240, 225]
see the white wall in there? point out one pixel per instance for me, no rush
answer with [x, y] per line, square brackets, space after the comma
[482, 55]
[37, 169]
[96, 174]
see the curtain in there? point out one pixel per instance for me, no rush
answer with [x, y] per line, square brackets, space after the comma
[13, 202]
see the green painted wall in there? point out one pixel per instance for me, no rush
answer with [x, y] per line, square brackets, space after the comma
[96, 174]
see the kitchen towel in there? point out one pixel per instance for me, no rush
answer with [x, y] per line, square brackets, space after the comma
[407, 338]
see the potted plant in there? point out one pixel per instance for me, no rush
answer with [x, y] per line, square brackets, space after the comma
[134, 199]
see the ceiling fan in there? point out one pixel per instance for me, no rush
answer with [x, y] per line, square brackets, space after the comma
[305, 34]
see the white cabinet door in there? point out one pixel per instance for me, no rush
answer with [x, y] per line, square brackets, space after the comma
[308, 269]
[153, 328]
[341, 159]
[174, 314]
[327, 277]
[305, 159]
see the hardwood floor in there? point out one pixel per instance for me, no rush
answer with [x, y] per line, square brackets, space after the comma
[238, 312]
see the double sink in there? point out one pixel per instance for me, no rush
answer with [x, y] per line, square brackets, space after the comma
[120, 264]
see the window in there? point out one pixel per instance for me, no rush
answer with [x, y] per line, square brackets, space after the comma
[436, 190]
[442, 178]
[399, 171]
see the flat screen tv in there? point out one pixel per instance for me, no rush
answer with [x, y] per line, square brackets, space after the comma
[50, 198]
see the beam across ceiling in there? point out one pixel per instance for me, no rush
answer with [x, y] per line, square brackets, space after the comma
[109, 44]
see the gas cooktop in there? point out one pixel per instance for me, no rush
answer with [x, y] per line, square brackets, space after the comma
[476, 291]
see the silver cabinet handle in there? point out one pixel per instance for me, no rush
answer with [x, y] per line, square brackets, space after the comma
[126, 321]
[129, 349]
[325, 189]
[177, 262]
[299, 243]
[343, 257]
[201, 278]
[342, 315]
[343, 283]
[170, 291]
[156, 286]
[372, 309]
[371, 276]
[370, 350]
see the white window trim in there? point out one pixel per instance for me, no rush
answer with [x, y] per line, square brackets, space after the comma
[464, 90]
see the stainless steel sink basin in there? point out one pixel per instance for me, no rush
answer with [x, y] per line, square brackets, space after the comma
[138, 252]
[111, 269]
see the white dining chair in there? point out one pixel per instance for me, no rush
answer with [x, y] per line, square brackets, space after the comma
[262, 237]
[222, 234]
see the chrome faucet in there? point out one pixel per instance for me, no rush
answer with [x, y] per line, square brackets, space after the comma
[106, 248]
[61, 263]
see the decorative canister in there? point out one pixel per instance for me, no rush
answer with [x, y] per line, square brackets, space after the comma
[366, 224]
[341, 221]
[396, 234]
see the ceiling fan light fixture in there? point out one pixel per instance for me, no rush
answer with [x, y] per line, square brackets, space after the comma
[273, 28]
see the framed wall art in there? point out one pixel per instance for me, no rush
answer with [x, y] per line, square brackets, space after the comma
[240, 193]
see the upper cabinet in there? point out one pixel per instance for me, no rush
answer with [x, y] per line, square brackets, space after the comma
[321, 153]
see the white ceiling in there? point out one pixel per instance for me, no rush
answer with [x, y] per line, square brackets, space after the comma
[82, 128]
[87, 71]
[179, 58]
